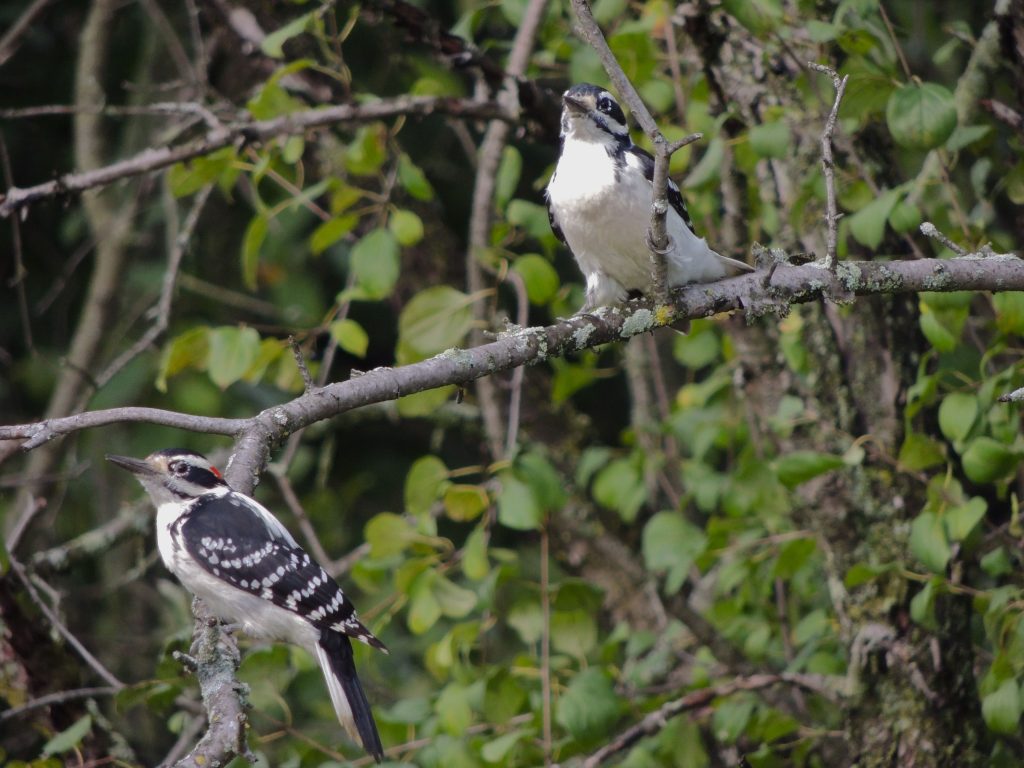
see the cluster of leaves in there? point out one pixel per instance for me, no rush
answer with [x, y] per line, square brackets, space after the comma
[349, 237]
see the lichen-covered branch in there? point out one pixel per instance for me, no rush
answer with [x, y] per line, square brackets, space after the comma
[754, 294]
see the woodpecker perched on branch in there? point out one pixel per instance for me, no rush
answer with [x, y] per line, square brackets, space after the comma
[231, 552]
[599, 205]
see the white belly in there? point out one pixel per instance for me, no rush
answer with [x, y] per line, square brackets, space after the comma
[259, 618]
[605, 224]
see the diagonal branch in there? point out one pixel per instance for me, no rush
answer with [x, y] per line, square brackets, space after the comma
[528, 346]
[153, 159]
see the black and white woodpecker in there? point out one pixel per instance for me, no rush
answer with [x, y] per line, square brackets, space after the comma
[599, 205]
[229, 550]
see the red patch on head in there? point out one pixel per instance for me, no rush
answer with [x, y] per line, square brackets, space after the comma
[216, 472]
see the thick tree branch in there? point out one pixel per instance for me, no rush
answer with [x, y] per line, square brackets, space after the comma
[154, 159]
[751, 293]
[216, 660]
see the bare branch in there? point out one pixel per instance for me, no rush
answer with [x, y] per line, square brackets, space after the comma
[217, 657]
[9, 42]
[930, 230]
[655, 721]
[57, 698]
[526, 346]
[828, 166]
[154, 159]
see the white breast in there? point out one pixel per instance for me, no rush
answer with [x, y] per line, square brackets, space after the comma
[605, 225]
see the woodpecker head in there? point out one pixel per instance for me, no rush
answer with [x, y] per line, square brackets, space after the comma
[173, 475]
[590, 113]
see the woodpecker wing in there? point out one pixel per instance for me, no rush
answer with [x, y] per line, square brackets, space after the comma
[644, 161]
[238, 540]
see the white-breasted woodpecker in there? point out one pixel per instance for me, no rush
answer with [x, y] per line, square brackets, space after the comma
[231, 552]
[599, 205]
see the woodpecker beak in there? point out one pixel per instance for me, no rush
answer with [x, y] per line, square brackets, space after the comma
[135, 466]
[575, 105]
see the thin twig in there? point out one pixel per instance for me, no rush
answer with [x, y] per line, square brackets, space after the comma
[9, 42]
[300, 360]
[828, 164]
[516, 396]
[545, 642]
[657, 236]
[930, 230]
[62, 630]
[163, 305]
[156, 158]
[57, 698]
[658, 719]
[18, 280]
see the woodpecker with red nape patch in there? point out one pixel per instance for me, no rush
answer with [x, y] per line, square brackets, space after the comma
[231, 552]
[599, 205]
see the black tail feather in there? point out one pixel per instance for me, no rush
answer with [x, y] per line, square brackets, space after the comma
[339, 651]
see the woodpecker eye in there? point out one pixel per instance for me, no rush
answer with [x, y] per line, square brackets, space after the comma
[180, 468]
[604, 104]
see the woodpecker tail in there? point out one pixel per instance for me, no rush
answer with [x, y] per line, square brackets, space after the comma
[334, 652]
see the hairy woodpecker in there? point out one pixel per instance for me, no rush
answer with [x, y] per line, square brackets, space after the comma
[229, 550]
[599, 205]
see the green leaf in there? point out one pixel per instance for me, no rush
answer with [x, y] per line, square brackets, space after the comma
[529, 216]
[868, 224]
[962, 520]
[965, 135]
[232, 351]
[670, 545]
[375, 260]
[589, 706]
[272, 43]
[406, 226]
[412, 179]
[793, 556]
[190, 349]
[455, 601]
[771, 139]
[800, 466]
[709, 168]
[539, 276]
[453, 709]
[546, 484]
[187, 178]
[331, 231]
[435, 319]
[957, 415]
[1009, 307]
[255, 234]
[350, 336]
[938, 333]
[921, 116]
[759, 16]
[508, 176]
[920, 452]
[474, 554]
[1002, 708]
[424, 608]
[922, 606]
[465, 503]
[997, 563]
[497, 748]
[69, 738]
[424, 403]
[619, 486]
[425, 483]
[905, 217]
[928, 542]
[517, 507]
[388, 534]
[367, 151]
[987, 460]
[731, 718]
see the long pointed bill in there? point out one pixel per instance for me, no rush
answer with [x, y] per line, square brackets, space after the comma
[574, 105]
[135, 466]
